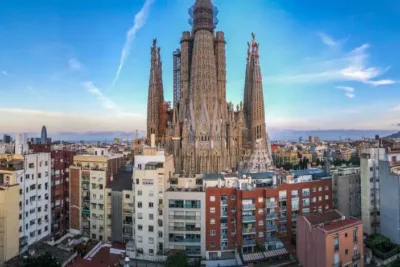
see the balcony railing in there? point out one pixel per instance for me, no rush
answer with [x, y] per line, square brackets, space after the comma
[224, 213]
[249, 206]
[305, 194]
[224, 202]
[183, 217]
[271, 204]
[271, 228]
[247, 231]
[224, 225]
[295, 207]
[224, 236]
[271, 216]
[282, 198]
[283, 219]
[356, 257]
[282, 229]
[184, 240]
[248, 218]
[249, 242]
[338, 264]
[283, 208]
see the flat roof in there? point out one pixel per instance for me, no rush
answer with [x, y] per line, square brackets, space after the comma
[342, 224]
[121, 181]
[326, 217]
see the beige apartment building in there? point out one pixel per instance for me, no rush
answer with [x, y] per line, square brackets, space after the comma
[9, 213]
[89, 176]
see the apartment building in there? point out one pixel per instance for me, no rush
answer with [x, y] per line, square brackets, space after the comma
[259, 209]
[185, 205]
[60, 162]
[370, 196]
[389, 182]
[329, 239]
[35, 197]
[120, 203]
[151, 173]
[9, 211]
[346, 187]
[89, 176]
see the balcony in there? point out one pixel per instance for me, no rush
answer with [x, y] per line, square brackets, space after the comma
[248, 218]
[248, 206]
[283, 208]
[271, 204]
[224, 214]
[224, 225]
[271, 227]
[184, 229]
[224, 236]
[283, 219]
[224, 202]
[184, 240]
[305, 204]
[183, 217]
[295, 196]
[282, 229]
[250, 242]
[356, 257]
[305, 194]
[338, 264]
[295, 207]
[248, 231]
[282, 198]
[271, 216]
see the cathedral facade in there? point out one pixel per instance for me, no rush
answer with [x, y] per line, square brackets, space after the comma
[205, 133]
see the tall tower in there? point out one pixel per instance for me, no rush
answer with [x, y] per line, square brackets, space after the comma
[44, 136]
[253, 95]
[155, 102]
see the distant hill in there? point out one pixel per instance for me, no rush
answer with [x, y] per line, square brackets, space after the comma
[395, 135]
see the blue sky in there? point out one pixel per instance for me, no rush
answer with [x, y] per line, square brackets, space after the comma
[330, 64]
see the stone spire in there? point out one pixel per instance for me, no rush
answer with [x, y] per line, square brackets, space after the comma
[155, 95]
[260, 160]
[253, 95]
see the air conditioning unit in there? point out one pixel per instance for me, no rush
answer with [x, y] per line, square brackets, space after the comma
[321, 224]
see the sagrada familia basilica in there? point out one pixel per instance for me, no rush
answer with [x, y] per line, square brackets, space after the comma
[204, 132]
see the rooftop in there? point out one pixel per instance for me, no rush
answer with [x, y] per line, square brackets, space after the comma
[121, 181]
[326, 217]
[39, 249]
[342, 224]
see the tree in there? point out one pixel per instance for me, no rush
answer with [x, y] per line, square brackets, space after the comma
[45, 260]
[287, 166]
[177, 259]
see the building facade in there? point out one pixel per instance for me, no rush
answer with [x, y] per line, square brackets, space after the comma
[389, 182]
[89, 210]
[246, 211]
[329, 239]
[346, 184]
[370, 196]
[9, 211]
[209, 135]
[151, 174]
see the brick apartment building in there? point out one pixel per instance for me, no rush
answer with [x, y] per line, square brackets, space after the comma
[60, 162]
[329, 239]
[259, 211]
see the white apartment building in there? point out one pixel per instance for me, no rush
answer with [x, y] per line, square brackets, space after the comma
[150, 177]
[21, 144]
[370, 203]
[35, 198]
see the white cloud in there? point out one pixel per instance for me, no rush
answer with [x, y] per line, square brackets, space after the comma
[350, 66]
[26, 120]
[139, 21]
[396, 108]
[326, 39]
[349, 91]
[5, 73]
[35, 93]
[74, 64]
[106, 102]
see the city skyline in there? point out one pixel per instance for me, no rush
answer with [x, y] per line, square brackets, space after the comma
[329, 72]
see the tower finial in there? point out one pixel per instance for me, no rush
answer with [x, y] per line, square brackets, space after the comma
[155, 42]
[253, 36]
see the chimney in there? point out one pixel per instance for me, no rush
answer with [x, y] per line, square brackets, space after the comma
[153, 140]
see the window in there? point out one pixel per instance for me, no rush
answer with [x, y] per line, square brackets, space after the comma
[212, 221]
[151, 193]
[233, 197]
[313, 200]
[20, 191]
[137, 181]
[212, 233]
[151, 252]
[139, 192]
[260, 222]
[326, 197]
[100, 186]
[139, 205]
[31, 165]
[39, 175]
[140, 215]
[336, 243]
[233, 209]
[326, 188]
[345, 234]
[346, 251]
[151, 204]
[151, 217]
[151, 228]
[320, 198]
[147, 181]
[355, 235]
[140, 227]
[212, 244]
[320, 188]
[260, 200]
[260, 211]
[212, 210]
[151, 240]
[260, 234]
[212, 198]
[314, 189]
[26, 176]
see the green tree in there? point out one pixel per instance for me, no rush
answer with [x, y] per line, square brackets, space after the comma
[177, 259]
[45, 260]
